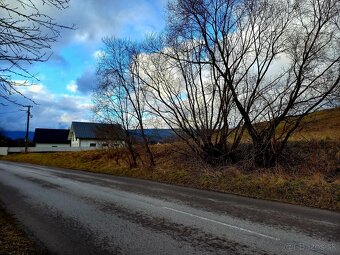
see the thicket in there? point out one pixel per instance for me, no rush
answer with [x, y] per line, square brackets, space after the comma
[224, 72]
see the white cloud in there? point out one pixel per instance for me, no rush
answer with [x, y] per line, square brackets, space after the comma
[65, 118]
[32, 91]
[73, 87]
[98, 54]
[36, 88]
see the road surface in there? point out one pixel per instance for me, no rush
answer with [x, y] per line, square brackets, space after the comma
[74, 212]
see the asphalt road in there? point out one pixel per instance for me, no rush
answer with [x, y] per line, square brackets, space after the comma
[74, 212]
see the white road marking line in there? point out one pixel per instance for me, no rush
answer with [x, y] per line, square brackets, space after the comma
[222, 223]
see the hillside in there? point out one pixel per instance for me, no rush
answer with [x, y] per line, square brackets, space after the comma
[321, 125]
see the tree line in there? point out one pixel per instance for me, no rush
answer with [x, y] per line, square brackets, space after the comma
[222, 69]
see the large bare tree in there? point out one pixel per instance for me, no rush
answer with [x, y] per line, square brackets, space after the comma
[118, 67]
[112, 106]
[278, 58]
[189, 95]
[26, 35]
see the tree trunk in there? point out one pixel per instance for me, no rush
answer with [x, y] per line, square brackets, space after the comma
[215, 155]
[147, 147]
[133, 162]
[148, 151]
[265, 153]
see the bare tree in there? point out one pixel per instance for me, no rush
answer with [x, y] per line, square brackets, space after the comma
[191, 98]
[278, 58]
[119, 67]
[112, 106]
[26, 35]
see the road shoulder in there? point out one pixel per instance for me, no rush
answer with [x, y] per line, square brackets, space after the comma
[13, 240]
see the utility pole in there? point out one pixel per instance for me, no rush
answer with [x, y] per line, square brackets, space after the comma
[27, 125]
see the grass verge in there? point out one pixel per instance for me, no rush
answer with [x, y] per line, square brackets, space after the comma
[14, 241]
[308, 176]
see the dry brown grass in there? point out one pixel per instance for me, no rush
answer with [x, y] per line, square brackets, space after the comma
[13, 240]
[309, 175]
[308, 172]
[321, 125]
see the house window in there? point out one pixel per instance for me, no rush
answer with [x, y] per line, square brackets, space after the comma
[92, 144]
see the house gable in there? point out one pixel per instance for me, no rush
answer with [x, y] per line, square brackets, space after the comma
[89, 134]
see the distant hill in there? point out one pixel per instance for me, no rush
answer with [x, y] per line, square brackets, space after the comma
[17, 134]
[154, 135]
[319, 125]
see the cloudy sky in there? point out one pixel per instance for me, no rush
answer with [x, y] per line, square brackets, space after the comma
[63, 92]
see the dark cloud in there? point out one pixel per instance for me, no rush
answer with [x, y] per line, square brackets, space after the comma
[51, 111]
[58, 60]
[87, 81]
[12, 117]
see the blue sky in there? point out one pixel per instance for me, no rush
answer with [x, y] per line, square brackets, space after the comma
[63, 91]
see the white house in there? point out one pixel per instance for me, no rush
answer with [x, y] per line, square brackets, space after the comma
[46, 137]
[89, 134]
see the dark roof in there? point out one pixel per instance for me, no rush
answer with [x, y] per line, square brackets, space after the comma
[45, 135]
[90, 130]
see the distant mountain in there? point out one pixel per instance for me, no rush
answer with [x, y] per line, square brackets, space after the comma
[18, 134]
[154, 135]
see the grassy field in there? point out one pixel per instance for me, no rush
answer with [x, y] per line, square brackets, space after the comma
[322, 125]
[308, 173]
